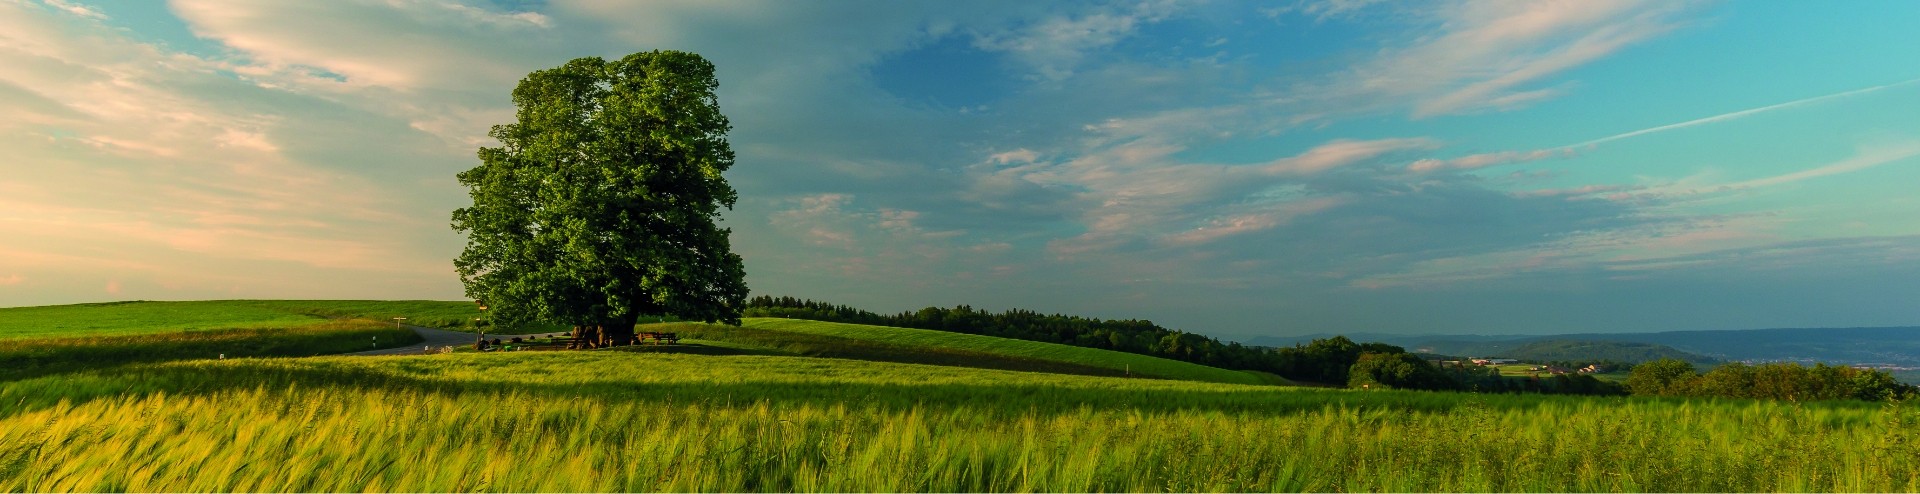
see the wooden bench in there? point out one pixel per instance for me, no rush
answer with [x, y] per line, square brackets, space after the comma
[668, 338]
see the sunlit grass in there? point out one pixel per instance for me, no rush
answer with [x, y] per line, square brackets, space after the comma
[37, 357]
[612, 421]
[148, 317]
[124, 318]
[831, 339]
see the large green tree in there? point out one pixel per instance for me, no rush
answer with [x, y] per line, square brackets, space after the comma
[599, 206]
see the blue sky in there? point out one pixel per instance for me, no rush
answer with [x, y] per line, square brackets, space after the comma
[1227, 168]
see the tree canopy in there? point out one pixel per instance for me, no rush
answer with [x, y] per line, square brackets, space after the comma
[600, 204]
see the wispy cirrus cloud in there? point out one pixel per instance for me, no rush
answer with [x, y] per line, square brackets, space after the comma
[1864, 158]
[1743, 113]
[1054, 46]
[1477, 56]
[1483, 160]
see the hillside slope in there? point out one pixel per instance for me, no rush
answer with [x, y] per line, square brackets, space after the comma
[138, 317]
[865, 342]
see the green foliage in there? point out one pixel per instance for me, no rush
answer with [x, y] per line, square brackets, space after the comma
[1772, 381]
[665, 422]
[1326, 360]
[1664, 377]
[842, 340]
[600, 205]
[1130, 336]
[1396, 371]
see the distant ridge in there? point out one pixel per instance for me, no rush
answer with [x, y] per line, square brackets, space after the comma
[1897, 346]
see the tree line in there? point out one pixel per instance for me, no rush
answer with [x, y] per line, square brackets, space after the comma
[1775, 381]
[1334, 361]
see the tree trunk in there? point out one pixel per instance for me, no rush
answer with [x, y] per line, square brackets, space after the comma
[618, 332]
[606, 334]
[585, 337]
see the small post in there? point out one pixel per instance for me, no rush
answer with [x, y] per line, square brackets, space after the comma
[396, 321]
[376, 342]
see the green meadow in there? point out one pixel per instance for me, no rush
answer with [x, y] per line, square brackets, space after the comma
[149, 317]
[782, 405]
[831, 339]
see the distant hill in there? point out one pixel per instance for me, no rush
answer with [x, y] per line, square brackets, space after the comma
[1890, 346]
[1588, 350]
[1898, 346]
[801, 337]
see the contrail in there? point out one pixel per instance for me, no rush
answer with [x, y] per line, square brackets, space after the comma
[1742, 113]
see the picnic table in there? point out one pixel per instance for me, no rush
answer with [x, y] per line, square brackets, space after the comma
[658, 338]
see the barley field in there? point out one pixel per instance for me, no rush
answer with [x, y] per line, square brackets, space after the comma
[620, 421]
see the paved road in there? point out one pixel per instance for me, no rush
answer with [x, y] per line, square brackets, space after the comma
[437, 338]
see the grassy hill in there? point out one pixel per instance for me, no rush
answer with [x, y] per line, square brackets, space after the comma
[859, 341]
[1619, 351]
[148, 317]
[37, 341]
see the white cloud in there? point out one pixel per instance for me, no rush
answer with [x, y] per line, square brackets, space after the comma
[1021, 155]
[1252, 222]
[400, 45]
[1138, 190]
[1055, 46]
[75, 9]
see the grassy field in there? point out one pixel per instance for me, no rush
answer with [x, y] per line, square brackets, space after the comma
[830, 339]
[46, 356]
[147, 317]
[143, 408]
[535, 421]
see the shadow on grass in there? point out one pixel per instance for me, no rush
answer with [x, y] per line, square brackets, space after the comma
[28, 359]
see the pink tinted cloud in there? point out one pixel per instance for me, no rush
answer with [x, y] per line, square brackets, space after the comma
[1483, 160]
[1581, 191]
[1866, 157]
[1344, 152]
[1253, 222]
[1495, 55]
